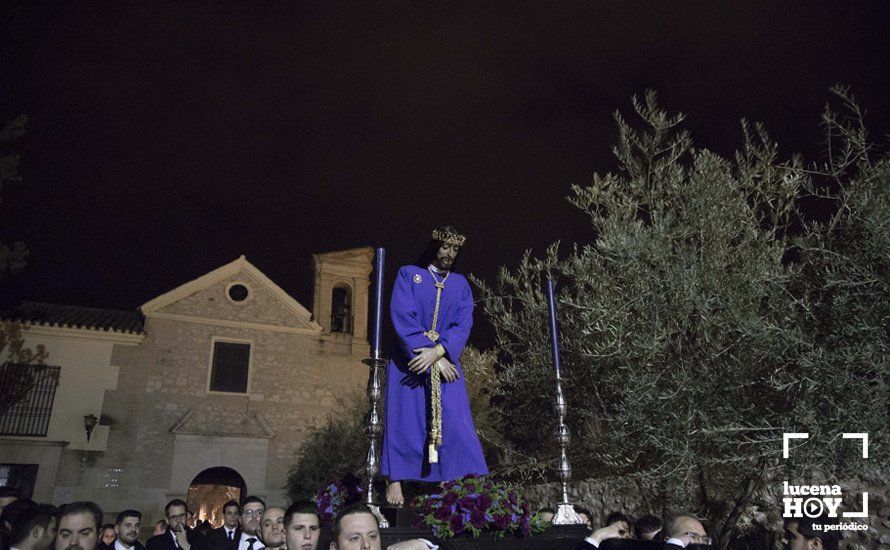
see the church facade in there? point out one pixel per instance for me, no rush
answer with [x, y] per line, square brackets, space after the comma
[211, 387]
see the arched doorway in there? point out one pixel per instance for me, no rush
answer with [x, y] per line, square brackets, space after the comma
[211, 489]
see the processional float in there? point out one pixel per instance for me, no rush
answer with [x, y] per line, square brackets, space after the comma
[565, 514]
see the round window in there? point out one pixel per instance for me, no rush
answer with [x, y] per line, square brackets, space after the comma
[238, 292]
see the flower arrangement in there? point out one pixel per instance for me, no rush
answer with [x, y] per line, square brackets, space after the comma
[473, 505]
[336, 495]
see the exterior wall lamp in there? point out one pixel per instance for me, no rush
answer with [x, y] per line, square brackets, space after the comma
[89, 424]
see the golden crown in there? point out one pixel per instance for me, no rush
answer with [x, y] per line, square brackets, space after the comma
[450, 238]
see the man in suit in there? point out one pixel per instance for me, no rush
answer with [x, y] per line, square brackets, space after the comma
[648, 527]
[613, 531]
[302, 526]
[252, 509]
[226, 536]
[683, 531]
[127, 527]
[272, 531]
[34, 528]
[178, 535]
[799, 534]
[79, 526]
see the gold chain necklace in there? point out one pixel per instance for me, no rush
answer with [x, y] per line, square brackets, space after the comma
[440, 286]
[435, 440]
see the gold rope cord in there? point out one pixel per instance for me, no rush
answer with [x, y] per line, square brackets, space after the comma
[435, 440]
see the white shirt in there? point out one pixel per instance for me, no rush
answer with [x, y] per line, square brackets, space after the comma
[230, 535]
[244, 545]
[118, 545]
[678, 542]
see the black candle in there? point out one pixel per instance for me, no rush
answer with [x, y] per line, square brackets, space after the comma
[378, 304]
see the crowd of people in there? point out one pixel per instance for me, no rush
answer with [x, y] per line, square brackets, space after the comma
[251, 525]
[248, 525]
[683, 531]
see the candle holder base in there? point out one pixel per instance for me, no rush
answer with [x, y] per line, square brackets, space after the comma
[566, 515]
[382, 522]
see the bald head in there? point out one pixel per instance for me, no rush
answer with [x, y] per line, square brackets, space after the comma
[272, 528]
[688, 529]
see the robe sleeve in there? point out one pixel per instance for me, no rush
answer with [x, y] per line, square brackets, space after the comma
[403, 312]
[454, 336]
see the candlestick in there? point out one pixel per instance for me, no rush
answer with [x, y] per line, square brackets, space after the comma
[378, 304]
[374, 420]
[565, 513]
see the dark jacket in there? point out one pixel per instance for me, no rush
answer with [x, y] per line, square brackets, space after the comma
[217, 539]
[165, 541]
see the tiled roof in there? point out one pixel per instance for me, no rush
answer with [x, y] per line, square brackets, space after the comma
[38, 313]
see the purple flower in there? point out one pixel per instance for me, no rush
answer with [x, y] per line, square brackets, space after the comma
[477, 518]
[466, 502]
[484, 501]
[457, 524]
[449, 499]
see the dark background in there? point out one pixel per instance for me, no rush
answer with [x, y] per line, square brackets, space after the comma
[166, 140]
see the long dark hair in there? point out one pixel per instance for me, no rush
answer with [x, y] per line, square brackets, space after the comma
[432, 248]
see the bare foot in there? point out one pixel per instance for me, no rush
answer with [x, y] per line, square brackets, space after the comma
[394, 493]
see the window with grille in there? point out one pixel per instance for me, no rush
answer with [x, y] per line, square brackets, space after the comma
[27, 393]
[231, 363]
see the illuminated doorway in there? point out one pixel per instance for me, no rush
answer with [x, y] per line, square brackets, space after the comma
[211, 489]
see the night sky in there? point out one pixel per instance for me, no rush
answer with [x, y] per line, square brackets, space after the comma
[166, 140]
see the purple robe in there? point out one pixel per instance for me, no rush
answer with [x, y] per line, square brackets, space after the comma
[406, 429]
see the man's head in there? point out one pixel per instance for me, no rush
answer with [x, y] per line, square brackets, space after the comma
[621, 521]
[231, 514]
[107, 534]
[176, 513]
[688, 529]
[302, 526]
[7, 496]
[12, 510]
[252, 509]
[547, 514]
[585, 516]
[160, 527]
[356, 528]
[799, 534]
[441, 252]
[647, 527]
[272, 528]
[79, 526]
[127, 526]
[34, 528]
